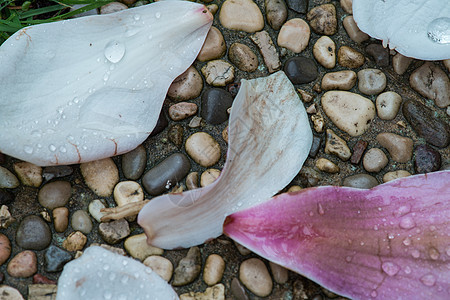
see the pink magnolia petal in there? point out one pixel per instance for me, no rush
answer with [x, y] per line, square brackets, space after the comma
[389, 242]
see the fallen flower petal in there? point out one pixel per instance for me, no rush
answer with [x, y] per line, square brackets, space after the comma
[269, 139]
[89, 88]
[418, 29]
[389, 242]
[102, 274]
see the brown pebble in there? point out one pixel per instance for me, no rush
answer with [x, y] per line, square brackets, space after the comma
[5, 248]
[23, 265]
[41, 279]
[214, 268]
[401, 63]
[243, 57]
[374, 160]
[75, 241]
[322, 19]
[280, 274]
[214, 46]
[337, 146]
[399, 147]
[306, 97]
[60, 219]
[192, 180]
[358, 151]
[326, 165]
[209, 176]
[187, 86]
[182, 110]
[350, 58]
[389, 176]
[353, 30]
[341, 80]
[28, 173]
[254, 275]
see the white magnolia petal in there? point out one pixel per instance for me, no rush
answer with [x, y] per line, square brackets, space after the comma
[408, 26]
[269, 139]
[88, 88]
[102, 274]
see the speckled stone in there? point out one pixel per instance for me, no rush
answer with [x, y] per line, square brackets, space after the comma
[100, 176]
[214, 46]
[7, 179]
[341, 80]
[175, 134]
[324, 52]
[276, 13]
[268, 50]
[353, 30]
[55, 194]
[28, 173]
[433, 130]
[55, 259]
[337, 146]
[350, 58]
[215, 103]
[322, 19]
[371, 81]
[294, 35]
[254, 275]
[241, 15]
[188, 268]
[214, 268]
[388, 104]
[160, 265]
[115, 231]
[379, 54]
[300, 70]
[33, 233]
[427, 159]
[374, 160]
[243, 57]
[182, 110]
[5, 248]
[75, 241]
[23, 265]
[137, 247]
[309, 176]
[203, 149]
[166, 174]
[81, 221]
[399, 147]
[133, 163]
[218, 72]
[187, 86]
[389, 176]
[61, 218]
[360, 181]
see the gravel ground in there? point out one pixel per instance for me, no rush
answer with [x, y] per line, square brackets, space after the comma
[159, 147]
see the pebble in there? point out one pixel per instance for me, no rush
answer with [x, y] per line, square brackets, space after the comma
[42, 291]
[309, 176]
[326, 165]
[276, 13]
[28, 173]
[112, 8]
[60, 219]
[56, 172]
[7, 179]
[446, 63]
[41, 279]
[192, 180]
[306, 97]
[161, 124]
[216, 292]
[401, 63]
[254, 275]
[94, 209]
[137, 247]
[127, 192]
[214, 268]
[218, 73]
[294, 35]
[358, 151]
[379, 54]
[10, 292]
[55, 194]
[347, 6]
[268, 50]
[166, 174]
[5, 248]
[188, 268]
[322, 19]
[215, 103]
[242, 250]
[316, 144]
[175, 134]
[389, 176]
[388, 104]
[133, 163]
[55, 259]
[100, 176]
[433, 130]
[241, 15]
[33, 233]
[350, 112]
[360, 181]
[214, 46]
[350, 58]
[75, 241]
[400, 148]
[187, 86]
[115, 231]
[280, 274]
[337, 146]
[213, 8]
[374, 160]
[238, 290]
[300, 70]
[81, 221]
[427, 159]
[324, 52]
[160, 265]
[203, 149]
[23, 265]
[243, 57]
[371, 81]
[318, 122]
[353, 30]
[209, 176]
[341, 80]
[431, 82]
[6, 197]
[300, 6]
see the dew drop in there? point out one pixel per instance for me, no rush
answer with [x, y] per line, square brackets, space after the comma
[124, 279]
[150, 37]
[434, 253]
[407, 241]
[402, 210]
[114, 51]
[407, 270]
[348, 259]
[407, 223]
[52, 148]
[82, 292]
[106, 267]
[239, 204]
[105, 77]
[439, 30]
[107, 295]
[391, 236]
[375, 227]
[428, 280]
[373, 294]
[28, 149]
[112, 67]
[311, 214]
[390, 268]
[415, 253]
[124, 262]
[158, 15]
[447, 250]
[62, 149]
[320, 209]
[136, 17]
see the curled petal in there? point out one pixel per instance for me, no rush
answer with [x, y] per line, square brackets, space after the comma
[89, 88]
[269, 139]
[389, 242]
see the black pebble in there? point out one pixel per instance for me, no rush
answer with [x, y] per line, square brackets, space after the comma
[161, 124]
[427, 159]
[300, 6]
[300, 70]
[379, 54]
[33, 233]
[215, 103]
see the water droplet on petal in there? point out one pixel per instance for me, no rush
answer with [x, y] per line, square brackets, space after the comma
[439, 30]
[348, 259]
[28, 149]
[434, 253]
[114, 51]
[415, 253]
[407, 270]
[428, 280]
[158, 15]
[150, 37]
[407, 241]
[447, 250]
[407, 223]
[107, 295]
[136, 17]
[52, 147]
[390, 268]
[62, 149]
[402, 210]
[320, 209]
[375, 227]
[391, 236]
[124, 279]
[373, 294]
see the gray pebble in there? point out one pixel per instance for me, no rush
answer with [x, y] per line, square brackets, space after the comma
[113, 232]
[371, 81]
[133, 163]
[215, 103]
[81, 221]
[55, 194]
[188, 268]
[33, 233]
[426, 159]
[55, 259]
[360, 181]
[301, 70]
[276, 13]
[7, 179]
[322, 19]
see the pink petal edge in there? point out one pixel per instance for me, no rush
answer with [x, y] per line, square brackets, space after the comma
[389, 242]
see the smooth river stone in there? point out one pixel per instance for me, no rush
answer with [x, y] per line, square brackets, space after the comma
[203, 149]
[276, 13]
[353, 30]
[388, 104]
[166, 174]
[324, 52]
[268, 50]
[187, 86]
[7, 179]
[341, 80]
[215, 103]
[300, 70]
[28, 173]
[214, 46]
[33, 233]
[360, 181]
[294, 35]
[350, 112]
[399, 147]
[322, 19]
[371, 81]
[218, 72]
[241, 15]
[254, 275]
[133, 163]
[243, 57]
[350, 58]
[55, 194]
[100, 176]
